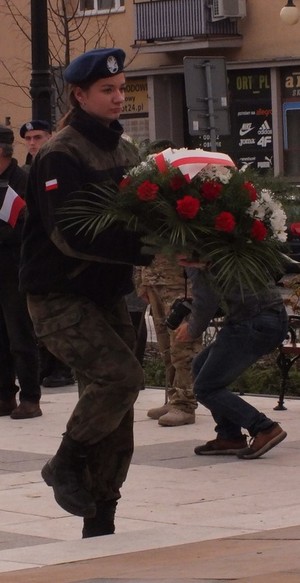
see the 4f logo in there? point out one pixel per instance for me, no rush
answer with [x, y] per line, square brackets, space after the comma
[265, 131]
[264, 141]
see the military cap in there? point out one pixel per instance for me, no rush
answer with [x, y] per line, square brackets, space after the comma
[6, 135]
[35, 124]
[93, 65]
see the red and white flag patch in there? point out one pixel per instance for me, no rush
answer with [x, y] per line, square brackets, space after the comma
[51, 184]
[12, 204]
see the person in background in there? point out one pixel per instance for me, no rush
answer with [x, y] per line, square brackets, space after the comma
[35, 133]
[18, 348]
[53, 372]
[76, 287]
[161, 284]
[254, 325]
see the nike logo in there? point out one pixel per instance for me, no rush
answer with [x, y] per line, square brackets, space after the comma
[246, 128]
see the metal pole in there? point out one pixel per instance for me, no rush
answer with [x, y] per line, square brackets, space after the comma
[211, 107]
[40, 84]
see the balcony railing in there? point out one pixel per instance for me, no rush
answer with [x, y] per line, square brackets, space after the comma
[160, 20]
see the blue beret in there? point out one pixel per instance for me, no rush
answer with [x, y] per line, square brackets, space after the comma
[93, 65]
[35, 124]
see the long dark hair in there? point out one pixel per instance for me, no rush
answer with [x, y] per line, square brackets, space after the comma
[73, 105]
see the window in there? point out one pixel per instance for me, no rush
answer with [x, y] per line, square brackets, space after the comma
[98, 6]
[291, 119]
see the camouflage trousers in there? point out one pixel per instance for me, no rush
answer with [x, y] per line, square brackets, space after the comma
[97, 343]
[177, 356]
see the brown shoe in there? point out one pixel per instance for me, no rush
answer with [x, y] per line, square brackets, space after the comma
[222, 446]
[157, 412]
[263, 442]
[26, 410]
[176, 417]
[6, 407]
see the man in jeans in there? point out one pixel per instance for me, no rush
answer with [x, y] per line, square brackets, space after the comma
[255, 325]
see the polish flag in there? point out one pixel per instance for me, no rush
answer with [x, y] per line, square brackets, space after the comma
[51, 184]
[191, 162]
[12, 204]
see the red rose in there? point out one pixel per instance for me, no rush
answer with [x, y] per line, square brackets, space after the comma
[125, 182]
[147, 190]
[225, 222]
[188, 206]
[258, 230]
[177, 182]
[211, 189]
[251, 190]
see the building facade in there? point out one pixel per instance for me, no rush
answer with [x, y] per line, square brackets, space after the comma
[261, 55]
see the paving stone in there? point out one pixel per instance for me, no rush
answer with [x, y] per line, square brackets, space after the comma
[177, 454]
[233, 504]
[20, 461]
[11, 540]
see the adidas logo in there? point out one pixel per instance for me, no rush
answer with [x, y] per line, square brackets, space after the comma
[265, 129]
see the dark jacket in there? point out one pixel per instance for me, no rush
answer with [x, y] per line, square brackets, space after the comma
[206, 302]
[59, 260]
[10, 238]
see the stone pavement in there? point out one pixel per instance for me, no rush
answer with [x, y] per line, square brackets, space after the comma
[182, 518]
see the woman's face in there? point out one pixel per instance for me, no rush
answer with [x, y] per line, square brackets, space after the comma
[104, 98]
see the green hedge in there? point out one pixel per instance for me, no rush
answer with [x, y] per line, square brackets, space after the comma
[262, 378]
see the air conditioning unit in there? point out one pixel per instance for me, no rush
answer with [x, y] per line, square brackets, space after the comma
[221, 9]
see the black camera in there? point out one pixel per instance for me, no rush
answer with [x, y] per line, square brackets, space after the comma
[179, 310]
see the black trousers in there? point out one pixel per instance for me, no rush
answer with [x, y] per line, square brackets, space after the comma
[18, 346]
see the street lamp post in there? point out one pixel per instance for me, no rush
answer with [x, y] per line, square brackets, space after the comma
[40, 84]
[289, 14]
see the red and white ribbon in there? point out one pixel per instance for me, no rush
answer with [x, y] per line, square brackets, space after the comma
[191, 162]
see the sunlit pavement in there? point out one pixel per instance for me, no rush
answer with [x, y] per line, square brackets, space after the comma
[182, 517]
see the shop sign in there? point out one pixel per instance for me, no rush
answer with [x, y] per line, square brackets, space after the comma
[136, 98]
[290, 83]
[243, 85]
[251, 117]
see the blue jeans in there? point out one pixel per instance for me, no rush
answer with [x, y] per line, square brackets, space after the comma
[236, 347]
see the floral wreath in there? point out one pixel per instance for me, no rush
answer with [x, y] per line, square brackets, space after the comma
[193, 202]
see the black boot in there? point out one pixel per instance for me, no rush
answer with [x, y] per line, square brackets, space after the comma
[103, 521]
[64, 472]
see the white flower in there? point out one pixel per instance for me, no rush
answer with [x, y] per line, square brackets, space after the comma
[142, 167]
[220, 173]
[267, 209]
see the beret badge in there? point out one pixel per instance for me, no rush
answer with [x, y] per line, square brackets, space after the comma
[112, 64]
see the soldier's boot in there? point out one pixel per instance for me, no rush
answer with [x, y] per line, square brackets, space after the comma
[175, 417]
[103, 522]
[65, 473]
[157, 412]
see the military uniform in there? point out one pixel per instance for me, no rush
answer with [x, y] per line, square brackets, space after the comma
[75, 287]
[164, 282]
[18, 350]
[53, 373]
